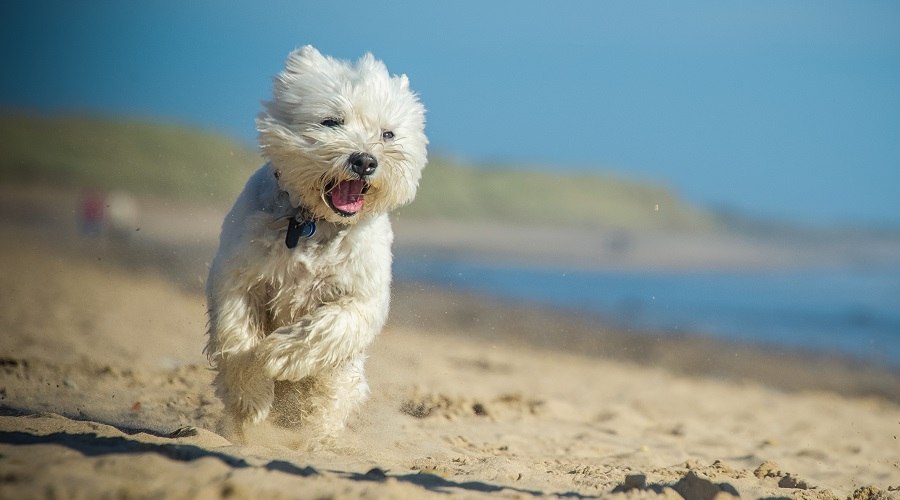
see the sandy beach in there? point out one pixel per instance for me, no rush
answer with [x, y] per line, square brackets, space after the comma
[105, 393]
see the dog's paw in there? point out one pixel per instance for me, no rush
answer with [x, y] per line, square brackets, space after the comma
[284, 358]
[287, 367]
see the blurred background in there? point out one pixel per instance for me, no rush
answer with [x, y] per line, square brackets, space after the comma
[703, 170]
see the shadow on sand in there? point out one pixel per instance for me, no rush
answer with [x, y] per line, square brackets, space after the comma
[92, 445]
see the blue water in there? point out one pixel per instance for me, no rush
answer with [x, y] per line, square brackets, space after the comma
[846, 311]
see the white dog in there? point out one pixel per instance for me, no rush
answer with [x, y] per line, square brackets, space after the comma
[300, 285]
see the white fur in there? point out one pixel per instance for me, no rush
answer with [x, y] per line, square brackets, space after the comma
[288, 327]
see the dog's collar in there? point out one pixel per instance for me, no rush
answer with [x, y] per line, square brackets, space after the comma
[300, 223]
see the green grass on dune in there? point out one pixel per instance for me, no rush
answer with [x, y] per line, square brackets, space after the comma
[184, 163]
[140, 156]
[533, 197]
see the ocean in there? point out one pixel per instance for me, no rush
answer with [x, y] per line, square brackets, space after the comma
[851, 311]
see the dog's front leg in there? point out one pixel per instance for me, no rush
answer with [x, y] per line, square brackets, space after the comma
[323, 340]
[234, 338]
[245, 387]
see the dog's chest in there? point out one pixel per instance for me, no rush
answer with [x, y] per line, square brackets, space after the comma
[314, 273]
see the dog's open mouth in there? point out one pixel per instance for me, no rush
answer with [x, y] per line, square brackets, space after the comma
[346, 198]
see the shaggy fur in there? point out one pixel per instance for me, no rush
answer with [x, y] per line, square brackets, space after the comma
[288, 327]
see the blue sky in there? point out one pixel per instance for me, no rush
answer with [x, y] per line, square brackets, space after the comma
[784, 109]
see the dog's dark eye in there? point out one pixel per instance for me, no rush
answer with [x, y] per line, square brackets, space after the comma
[387, 135]
[331, 122]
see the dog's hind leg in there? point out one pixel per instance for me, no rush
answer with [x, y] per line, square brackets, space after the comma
[348, 389]
[318, 407]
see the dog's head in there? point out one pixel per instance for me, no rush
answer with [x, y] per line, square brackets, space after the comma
[345, 139]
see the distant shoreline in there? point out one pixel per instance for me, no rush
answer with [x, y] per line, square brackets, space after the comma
[652, 250]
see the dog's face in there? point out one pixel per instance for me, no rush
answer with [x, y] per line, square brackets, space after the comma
[345, 139]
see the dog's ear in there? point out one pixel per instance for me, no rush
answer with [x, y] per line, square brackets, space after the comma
[404, 82]
[369, 65]
[309, 52]
[302, 59]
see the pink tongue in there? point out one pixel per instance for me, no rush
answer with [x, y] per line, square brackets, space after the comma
[347, 196]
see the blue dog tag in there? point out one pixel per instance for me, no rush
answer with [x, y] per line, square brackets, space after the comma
[299, 229]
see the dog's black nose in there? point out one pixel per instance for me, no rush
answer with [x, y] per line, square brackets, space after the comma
[363, 164]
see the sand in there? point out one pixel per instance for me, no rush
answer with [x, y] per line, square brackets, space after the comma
[104, 393]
